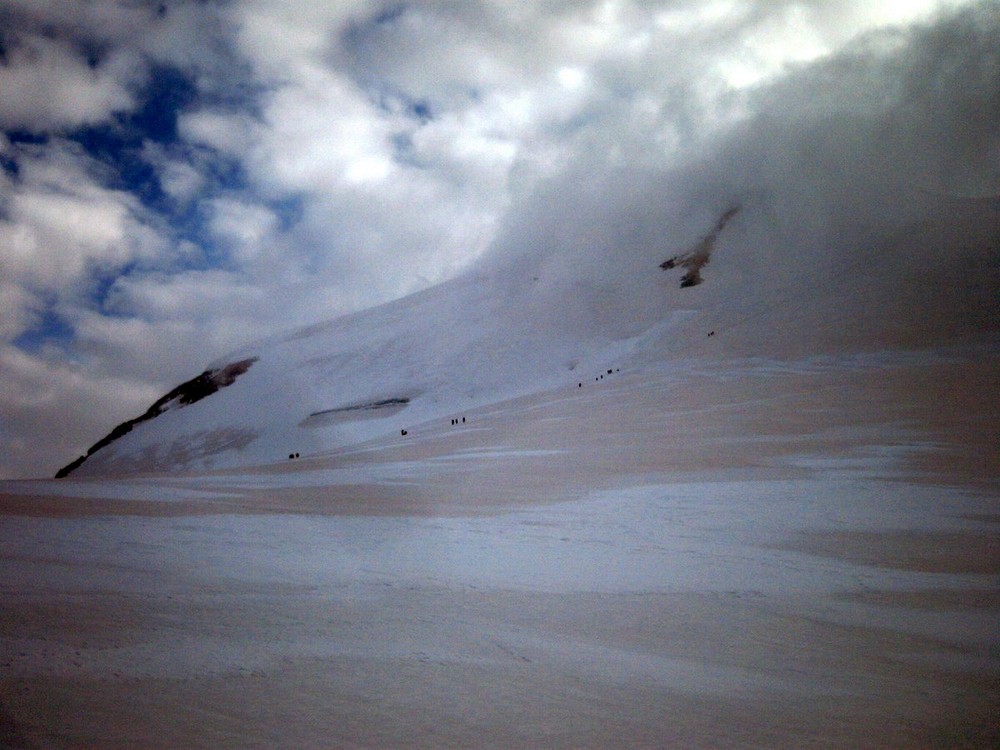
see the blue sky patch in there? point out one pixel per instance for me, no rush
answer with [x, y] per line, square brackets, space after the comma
[168, 94]
[117, 145]
[50, 330]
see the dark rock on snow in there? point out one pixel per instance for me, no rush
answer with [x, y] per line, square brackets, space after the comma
[186, 393]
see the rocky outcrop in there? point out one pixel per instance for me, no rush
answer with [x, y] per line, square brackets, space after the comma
[699, 255]
[373, 409]
[183, 395]
[366, 406]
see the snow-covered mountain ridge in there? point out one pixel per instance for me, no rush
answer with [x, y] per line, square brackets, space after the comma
[186, 393]
[531, 323]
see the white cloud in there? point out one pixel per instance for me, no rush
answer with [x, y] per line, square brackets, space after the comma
[60, 225]
[244, 228]
[46, 84]
[105, 46]
[180, 172]
[279, 38]
[379, 147]
[322, 133]
[53, 236]
[18, 309]
[50, 410]
[228, 132]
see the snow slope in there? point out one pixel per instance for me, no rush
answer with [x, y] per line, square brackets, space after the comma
[779, 535]
[767, 552]
[524, 323]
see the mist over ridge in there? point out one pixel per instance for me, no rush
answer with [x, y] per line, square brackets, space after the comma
[865, 171]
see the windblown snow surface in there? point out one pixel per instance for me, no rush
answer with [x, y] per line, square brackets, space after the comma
[758, 511]
[702, 452]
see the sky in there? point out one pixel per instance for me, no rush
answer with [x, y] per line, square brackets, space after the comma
[180, 178]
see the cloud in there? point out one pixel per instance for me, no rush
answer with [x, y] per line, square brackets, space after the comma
[68, 65]
[60, 406]
[200, 174]
[48, 85]
[243, 228]
[224, 131]
[19, 308]
[846, 169]
[59, 223]
[180, 172]
[322, 133]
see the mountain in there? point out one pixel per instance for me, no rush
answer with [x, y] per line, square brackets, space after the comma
[572, 311]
